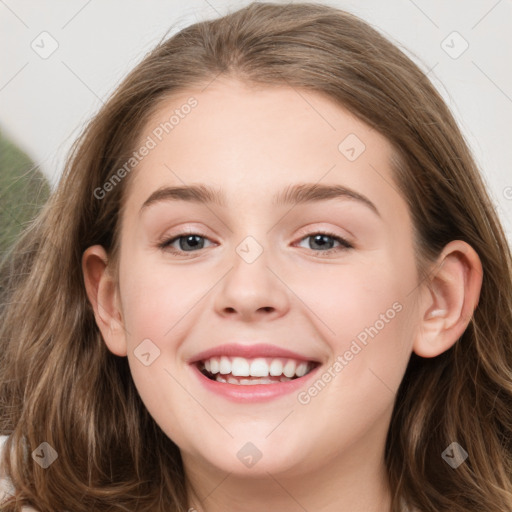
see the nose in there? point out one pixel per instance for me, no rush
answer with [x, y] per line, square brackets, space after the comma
[252, 291]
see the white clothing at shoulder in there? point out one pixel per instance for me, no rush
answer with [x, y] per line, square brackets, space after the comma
[6, 488]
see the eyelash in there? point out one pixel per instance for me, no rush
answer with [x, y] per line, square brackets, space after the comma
[165, 244]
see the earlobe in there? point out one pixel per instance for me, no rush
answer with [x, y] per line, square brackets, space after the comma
[449, 299]
[102, 294]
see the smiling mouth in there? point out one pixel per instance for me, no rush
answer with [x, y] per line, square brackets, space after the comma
[246, 372]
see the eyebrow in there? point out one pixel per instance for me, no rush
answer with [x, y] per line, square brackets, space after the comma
[293, 194]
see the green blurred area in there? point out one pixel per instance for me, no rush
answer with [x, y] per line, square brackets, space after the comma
[23, 190]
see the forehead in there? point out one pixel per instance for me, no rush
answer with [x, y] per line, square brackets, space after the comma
[249, 140]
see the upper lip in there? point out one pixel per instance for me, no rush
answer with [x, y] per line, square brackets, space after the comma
[249, 352]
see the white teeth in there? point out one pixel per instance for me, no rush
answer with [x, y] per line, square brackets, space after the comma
[224, 366]
[257, 367]
[289, 368]
[276, 368]
[214, 365]
[301, 370]
[240, 367]
[249, 382]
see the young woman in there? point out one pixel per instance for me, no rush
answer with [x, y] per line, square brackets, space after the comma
[270, 278]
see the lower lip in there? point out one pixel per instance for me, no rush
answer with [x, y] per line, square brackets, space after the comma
[253, 392]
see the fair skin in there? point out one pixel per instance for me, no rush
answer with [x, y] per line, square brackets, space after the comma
[326, 455]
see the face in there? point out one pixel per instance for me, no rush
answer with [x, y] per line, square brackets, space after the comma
[266, 281]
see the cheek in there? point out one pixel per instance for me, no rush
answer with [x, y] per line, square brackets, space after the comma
[356, 391]
[155, 298]
[367, 315]
[346, 299]
[158, 386]
[155, 303]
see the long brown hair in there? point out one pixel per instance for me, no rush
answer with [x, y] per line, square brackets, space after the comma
[60, 384]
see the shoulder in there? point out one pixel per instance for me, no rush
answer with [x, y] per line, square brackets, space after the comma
[6, 488]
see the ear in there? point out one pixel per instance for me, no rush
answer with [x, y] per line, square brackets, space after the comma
[102, 293]
[449, 299]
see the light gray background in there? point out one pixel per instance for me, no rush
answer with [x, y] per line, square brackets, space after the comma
[44, 103]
